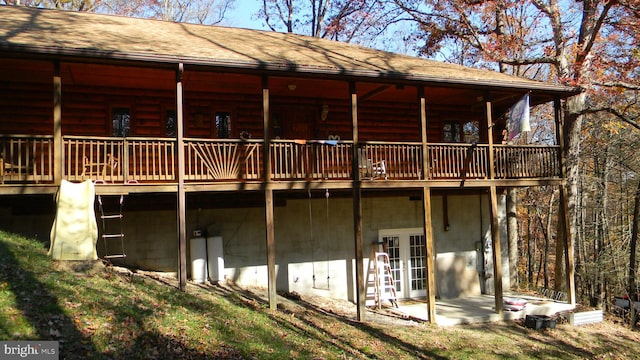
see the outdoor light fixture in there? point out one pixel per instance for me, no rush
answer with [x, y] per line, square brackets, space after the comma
[324, 112]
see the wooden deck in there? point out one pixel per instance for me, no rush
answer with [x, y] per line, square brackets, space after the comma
[29, 160]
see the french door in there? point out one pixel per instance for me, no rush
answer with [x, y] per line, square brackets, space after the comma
[407, 257]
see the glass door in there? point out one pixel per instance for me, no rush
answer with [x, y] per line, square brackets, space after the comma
[407, 258]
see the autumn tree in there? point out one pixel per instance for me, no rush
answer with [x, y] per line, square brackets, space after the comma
[591, 44]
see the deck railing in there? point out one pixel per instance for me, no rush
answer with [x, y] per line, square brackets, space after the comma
[119, 160]
[29, 159]
[222, 160]
[399, 161]
[149, 159]
[458, 161]
[311, 160]
[26, 158]
[527, 161]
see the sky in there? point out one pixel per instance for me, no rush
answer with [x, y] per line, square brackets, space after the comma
[242, 14]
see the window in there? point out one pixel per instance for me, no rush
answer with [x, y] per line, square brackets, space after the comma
[121, 118]
[451, 131]
[471, 132]
[223, 124]
[171, 125]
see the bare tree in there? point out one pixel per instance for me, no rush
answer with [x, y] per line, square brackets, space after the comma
[208, 12]
[362, 21]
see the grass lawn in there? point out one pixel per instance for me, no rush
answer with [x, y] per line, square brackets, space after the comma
[97, 313]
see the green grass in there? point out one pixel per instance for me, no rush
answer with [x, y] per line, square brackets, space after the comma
[100, 314]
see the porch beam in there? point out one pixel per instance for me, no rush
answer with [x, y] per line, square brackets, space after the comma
[268, 199]
[182, 208]
[58, 145]
[357, 207]
[564, 224]
[495, 225]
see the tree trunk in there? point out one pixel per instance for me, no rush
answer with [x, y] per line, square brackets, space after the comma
[530, 250]
[632, 289]
[547, 241]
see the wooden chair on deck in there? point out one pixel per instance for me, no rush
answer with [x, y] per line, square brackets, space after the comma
[369, 169]
[99, 169]
[16, 171]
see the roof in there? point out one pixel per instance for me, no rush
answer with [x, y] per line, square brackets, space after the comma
[74, 34]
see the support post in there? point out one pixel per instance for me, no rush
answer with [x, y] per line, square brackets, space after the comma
[182, 201]
[495, 226]
[58, 146]
[268, 199]
[357, 206]
[426, 210]
[497, 255]
[563, 222]
[271, 253]
[430, 254]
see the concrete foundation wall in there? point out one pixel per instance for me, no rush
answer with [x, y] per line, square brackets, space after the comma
[314, 253]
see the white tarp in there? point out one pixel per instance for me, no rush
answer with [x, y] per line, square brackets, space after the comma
[74, 232]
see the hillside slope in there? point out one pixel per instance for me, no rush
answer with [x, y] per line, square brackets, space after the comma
[99, 313]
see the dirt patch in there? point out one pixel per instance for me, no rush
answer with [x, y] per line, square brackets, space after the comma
[88, 267]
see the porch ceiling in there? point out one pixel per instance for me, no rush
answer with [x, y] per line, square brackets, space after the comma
[82, 36]
[95, 76]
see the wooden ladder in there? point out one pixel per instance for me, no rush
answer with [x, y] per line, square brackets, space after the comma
[108, 236]
[384, 287]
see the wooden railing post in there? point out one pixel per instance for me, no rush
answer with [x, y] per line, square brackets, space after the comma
[125, 160]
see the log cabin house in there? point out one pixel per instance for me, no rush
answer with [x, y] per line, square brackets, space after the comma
[303, 156]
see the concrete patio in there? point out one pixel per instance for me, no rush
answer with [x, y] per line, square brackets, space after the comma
[481, 308]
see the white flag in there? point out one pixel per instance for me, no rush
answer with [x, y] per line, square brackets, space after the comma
[519, 117]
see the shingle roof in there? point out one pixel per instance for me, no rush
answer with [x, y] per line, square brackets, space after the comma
[60, 33]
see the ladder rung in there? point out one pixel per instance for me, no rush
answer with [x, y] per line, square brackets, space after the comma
[120, 256]
[113, 235]
[116, 216]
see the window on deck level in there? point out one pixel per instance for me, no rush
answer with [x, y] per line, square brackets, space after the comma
[170, 125]
[121, 118]
[223, 124]
[451, 131]
[471, 132]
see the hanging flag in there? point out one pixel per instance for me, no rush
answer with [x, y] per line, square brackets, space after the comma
[519, 117]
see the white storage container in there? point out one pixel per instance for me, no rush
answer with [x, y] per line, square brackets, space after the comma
[198, 260]
[215, 252]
